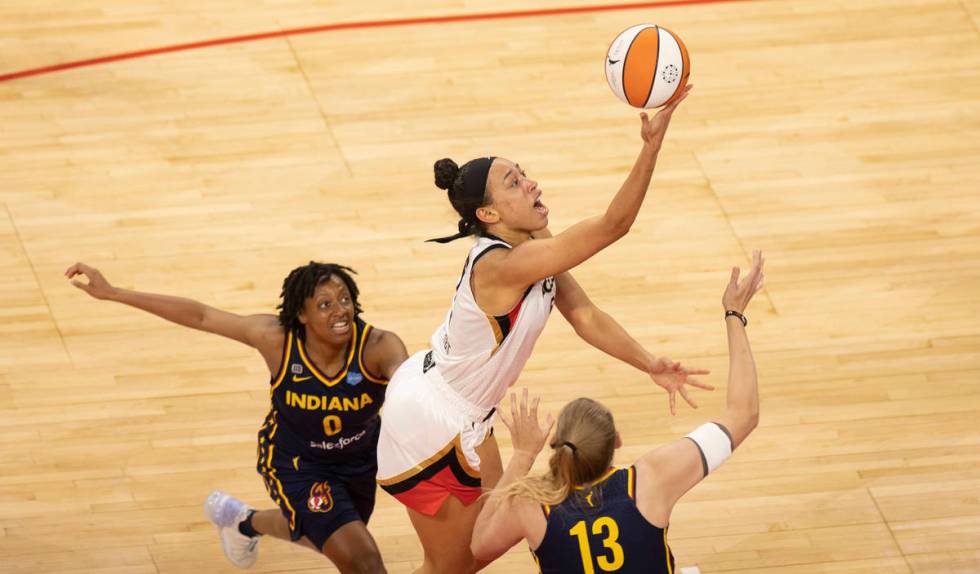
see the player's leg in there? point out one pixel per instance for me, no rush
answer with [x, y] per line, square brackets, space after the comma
[491, 466]
[332, 512]
[445, 537]
[347, 542]
[273, 523]
[350, 547]
[491, 469]
[353, 550]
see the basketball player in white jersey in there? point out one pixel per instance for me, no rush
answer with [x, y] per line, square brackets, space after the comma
[436, 449]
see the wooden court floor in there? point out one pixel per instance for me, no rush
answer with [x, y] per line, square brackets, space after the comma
[840, 137]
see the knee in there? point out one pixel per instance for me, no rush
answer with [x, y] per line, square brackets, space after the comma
[371, 564]
[367, 563]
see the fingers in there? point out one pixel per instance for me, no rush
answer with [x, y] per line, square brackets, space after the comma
[673, 105]
[762, 274]
[507, 423]
[76, 269]
[689, 400]
[644, 117]
[679, 368]
[756, 265]
[83, 286]
[79, 268]
[672, 398]
[549, 423]
[695, 371]
[523, 420]
[510, 420]
[700, 385]
[734, 279]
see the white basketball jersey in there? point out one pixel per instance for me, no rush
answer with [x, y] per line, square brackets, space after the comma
[480, 356]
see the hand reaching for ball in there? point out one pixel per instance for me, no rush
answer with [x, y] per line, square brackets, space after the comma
[653, 129]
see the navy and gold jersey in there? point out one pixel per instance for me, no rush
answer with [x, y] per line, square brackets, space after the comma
[600, 529]
[323, 418]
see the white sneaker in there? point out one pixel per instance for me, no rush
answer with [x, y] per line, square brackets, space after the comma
[227, 512]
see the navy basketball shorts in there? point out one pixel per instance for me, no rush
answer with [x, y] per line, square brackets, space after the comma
[317, 499]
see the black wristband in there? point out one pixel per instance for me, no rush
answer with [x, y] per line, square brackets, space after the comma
[741, 317]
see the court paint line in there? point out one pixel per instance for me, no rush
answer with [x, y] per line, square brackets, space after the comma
[415, 21]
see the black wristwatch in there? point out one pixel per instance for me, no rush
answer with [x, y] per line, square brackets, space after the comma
[741, 317]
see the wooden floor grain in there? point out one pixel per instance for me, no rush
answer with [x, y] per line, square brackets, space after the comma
[840, 137]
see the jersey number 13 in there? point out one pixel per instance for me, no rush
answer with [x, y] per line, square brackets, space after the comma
[608, 527]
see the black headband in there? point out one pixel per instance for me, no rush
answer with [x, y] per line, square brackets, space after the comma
[474, 187]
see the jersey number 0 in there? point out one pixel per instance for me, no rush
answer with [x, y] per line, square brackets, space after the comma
[331, 425]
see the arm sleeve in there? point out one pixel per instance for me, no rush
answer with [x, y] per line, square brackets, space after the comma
[715, 443]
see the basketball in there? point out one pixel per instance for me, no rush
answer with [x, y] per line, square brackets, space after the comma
[647, 66]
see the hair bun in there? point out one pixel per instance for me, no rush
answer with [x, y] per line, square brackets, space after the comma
[446, 172]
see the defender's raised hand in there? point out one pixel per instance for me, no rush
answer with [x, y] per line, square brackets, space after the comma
[526, 433]
[739, 293]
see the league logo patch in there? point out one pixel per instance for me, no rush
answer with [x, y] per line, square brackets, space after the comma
[354, 378]
[320, 498]
[296, 369]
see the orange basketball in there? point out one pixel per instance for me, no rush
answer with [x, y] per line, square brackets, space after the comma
[647, 66]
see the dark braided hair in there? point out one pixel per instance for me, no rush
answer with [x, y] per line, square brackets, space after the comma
[299, 286]
[465, 201]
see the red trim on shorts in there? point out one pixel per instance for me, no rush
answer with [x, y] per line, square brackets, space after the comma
[428, 495]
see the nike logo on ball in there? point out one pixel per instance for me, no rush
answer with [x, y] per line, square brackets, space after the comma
[613, 62]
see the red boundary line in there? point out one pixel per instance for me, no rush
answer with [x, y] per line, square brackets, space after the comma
[348, 26]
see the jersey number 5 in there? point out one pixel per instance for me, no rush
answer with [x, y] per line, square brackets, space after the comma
[612, 534]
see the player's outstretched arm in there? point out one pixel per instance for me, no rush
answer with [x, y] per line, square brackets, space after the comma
[535, 260]
[260, 331]
[500, 524]
[668, 472]
[602, 331]
[742, 413]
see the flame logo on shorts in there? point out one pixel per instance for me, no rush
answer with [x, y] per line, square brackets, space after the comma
[320, 499]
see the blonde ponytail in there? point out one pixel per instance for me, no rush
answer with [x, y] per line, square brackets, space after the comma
[584, 441]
